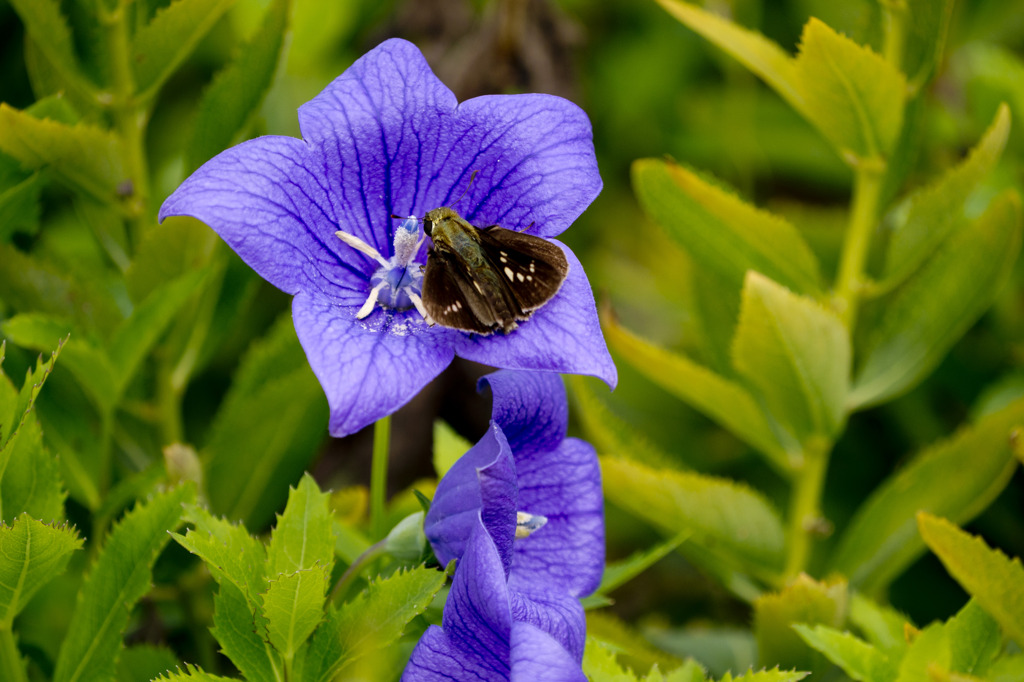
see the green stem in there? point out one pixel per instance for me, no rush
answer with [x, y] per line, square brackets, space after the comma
[867, 189]
[379, 476]
[352, 572]
[895, 26]
[806, 521]
[12, 665]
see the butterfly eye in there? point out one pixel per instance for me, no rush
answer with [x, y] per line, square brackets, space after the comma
[428, 227]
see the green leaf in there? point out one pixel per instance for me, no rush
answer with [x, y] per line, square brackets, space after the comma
[294, 606]
[927, 24]
[853, 96]
[929, 650]
[448, 447]
[974, 640]
[302, 538]
[720, 649]
[857, 658]
[927, 315]
[31, 555]
[932, 213]
[84, 157]
[774, 675]
[163, 44]
[170, 250]
[19, 206]
[804, 600]
[30, 477]
[731, 520]
[137, 335]
[145, 662]
[237, 91]
[996, 582]
[883, 626]
[371, 621]
[1007, 669]
[191, 673]
[50, 33]
[881, 539]
[725, 401]
[633, 648]
[620, 572]
[796, 354]
[600, 664]
[720, 230]
[241, 636]
[20, 405]
[120, 576]
[89, 365]
[269, 425]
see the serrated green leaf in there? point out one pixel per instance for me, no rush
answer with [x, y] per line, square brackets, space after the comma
[52, 36]
[600, 664]
[932, 213]
[857, 658]
[241, 638]
[120, 576]
[163, 44]
[82, 156]
[230, 553]
[237, 91]
[881, 539]
[448, 447]
[930, 649]
[719, 649]
[137, 335]
[883, 626]
[22, 403]
[89, 364]
[294, 605]
[927, 23]
[145, 662]
[804, 600]
[720, 230]
[723, 400]
[191, 673]
[633, 649]
[31, 555]
[270, 424]
[974, 640]
[774, 675]
[796, 354]
[30, 477]
[928, 314]
[19, 206]
[729, 519]
[302, 538]
[850, 93]
[371, 621]
[994, 580]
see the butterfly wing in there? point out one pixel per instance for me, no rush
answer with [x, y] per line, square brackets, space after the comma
[451, 298]
[533, 268]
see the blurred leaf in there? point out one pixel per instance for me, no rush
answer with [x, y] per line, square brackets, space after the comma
[774, 675]
[191, 673]
[933, 212]
[927, 652]
[230, 553]
[237, 91]
[241, 638]
[881, 539]
[162, 45]
[448, 447]
[83, 156]
[20, 208]
[796, 354]
[31, 555]
[601, 665]
[720, 230]
[726, 402]
[620, 572]
[168, 251]
[857, 658]
[632, 649]
[15, 406]
[50, 33]
[928, 314]
[269, 425]
[1007, 669]
[107, 225]
[30, 477]
[144, 662]
[294, 605]
[974, 639]
[371, 621]
[720, 649]
[728, 518]
[927, 24]
[119, 577]
[996, 582]
[882, 625]
[135, 338]
[89, 365]
[804, 600]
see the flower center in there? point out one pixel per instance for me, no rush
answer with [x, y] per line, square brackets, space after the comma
[398, 282]
[527, 524]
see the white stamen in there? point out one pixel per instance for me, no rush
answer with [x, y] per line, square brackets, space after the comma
[418, 302]
[371, 301]
[361, 246]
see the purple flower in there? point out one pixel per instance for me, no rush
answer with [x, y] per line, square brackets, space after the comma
[388, 138]
[522, 512]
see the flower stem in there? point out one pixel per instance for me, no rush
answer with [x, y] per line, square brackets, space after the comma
[379, 476]
[352, 572]
[12, 665]
[867, 189]
[805, 518]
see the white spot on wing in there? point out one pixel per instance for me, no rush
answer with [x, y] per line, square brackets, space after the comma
[508, 273]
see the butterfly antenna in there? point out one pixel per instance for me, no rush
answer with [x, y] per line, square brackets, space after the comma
[468, 185]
